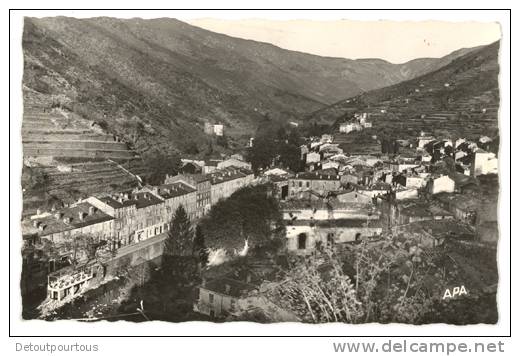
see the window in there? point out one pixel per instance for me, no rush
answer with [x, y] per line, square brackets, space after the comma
[302, 241]
[211, 298]
[308, 184]
[330, 239]
[300, 184]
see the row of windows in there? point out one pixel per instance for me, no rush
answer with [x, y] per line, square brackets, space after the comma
[300, 184]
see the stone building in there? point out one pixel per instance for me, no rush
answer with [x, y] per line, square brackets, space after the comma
[213, 129]
[484, 163]
[440, 184]
[310, 224]
[312, 157]
[224, 182]
[219, 297]
[409, 211]
[69, 281]
[353, 196]
[64, 224]
[138, 215]
[320, 183]
[348, 127]
[202, 184]
[218, 129]
[175, 195]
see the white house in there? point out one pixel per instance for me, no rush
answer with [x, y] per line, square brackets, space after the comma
[309, 224]
[423, 140]
[442, 184]
[484, 163]
[406, 193]
[313, 157]
[218, 129]
[330, 164]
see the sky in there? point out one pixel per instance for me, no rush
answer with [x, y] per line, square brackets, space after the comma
[394, 41]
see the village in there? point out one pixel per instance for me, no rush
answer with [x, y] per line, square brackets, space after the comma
[421, 198]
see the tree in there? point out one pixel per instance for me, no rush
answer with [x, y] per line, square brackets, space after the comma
[179, 240]
[249, 214]
[85, 248]
[33, 178]
[276, 142]
[294, 137]
[199, 246]
[383, 282]
[222, 141]
[318, 290]
[290, 157]
[160, 164]
[74, 251]
[262, 152]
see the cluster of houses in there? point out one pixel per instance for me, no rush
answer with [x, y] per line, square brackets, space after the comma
[343, 199]
[357, 123]
[131, 217]
[390, 189]
[338, 199]
[470, 158]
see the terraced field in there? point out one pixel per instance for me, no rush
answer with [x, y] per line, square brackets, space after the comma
[56, 133]
[73, 158]
[79, 181]
[460, 99]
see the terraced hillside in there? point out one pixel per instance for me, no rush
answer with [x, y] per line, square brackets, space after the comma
[460, 99]
[58, 133]
[65, 183]
[67, 157]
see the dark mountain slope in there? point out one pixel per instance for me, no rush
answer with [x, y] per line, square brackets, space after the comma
[155, 82]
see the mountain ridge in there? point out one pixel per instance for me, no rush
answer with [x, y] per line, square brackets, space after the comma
[462, 96]
[161, 79]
